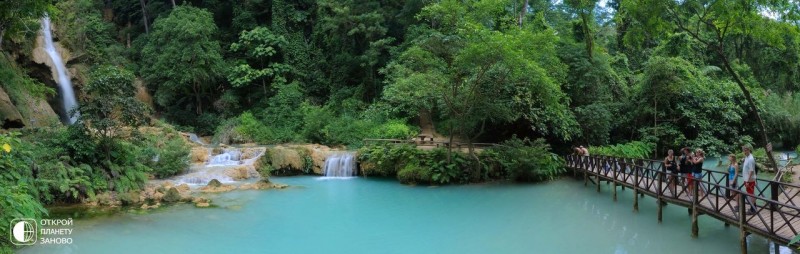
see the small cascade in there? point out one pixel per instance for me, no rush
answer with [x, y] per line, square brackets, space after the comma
[194, 138]
[340, 165]
[229, 157]
[64, 83]
[231, 165]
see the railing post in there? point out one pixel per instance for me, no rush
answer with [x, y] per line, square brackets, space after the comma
[774, 188]
[614, 184]
[742, 231]
[694, 208]
[636, 191]
[659, 200]
[599, 172]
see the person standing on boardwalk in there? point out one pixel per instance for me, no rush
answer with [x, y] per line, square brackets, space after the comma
[749, 175]
[671, 165]
[697, 169]
[686, 168]
[733, 176]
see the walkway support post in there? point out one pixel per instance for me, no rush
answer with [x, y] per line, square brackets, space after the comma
[695, 230]
[614, 184]
[635, 191]
[659, 199]
[742, 231]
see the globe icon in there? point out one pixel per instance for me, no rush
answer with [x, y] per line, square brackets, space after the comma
[24, 232]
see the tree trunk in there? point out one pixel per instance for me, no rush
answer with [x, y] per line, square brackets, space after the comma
[198, 100]
[2, 34]
[587, 36]
[173, 3]
[523, 12]
[752, 106]
[655, 123]
[144, 16]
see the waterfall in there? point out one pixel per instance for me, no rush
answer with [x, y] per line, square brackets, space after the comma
[224, 167]
[64, 83]
[340, 165]
[227, 158]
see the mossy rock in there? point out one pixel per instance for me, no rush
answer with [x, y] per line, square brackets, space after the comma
[172, 195]
[214, 183]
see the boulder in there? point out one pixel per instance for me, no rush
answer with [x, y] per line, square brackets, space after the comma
[240, 172]
[214, 183]
[201, 202]
[215, 186]
[107, 199]
[130, 198]
[172, 195]
[263, 184]
[199, 154]
[9, 115]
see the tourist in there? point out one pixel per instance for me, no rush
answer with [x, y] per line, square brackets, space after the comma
[733, 176]
[749, 175]
[671, 165]
[585, 151]
[685, 167]
[697, 169]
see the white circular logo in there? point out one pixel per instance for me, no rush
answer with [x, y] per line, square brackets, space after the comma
[23, 232]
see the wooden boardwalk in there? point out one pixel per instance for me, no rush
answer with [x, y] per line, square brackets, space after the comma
[777, 215]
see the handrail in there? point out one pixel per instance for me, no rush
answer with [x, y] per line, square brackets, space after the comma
[777, 204]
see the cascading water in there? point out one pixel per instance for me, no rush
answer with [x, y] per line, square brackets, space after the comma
[227, 158]
[340, 165]
[64, 83]
[225, 167]
[194, 138]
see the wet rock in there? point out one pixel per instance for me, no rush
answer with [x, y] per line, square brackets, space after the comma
[238, 172]
[130, 198]
[107, 199]
[215, 186]
[262, 184]
[201, 202]
[183, 188]
[172, 195]
[214, 183]
[154, 206]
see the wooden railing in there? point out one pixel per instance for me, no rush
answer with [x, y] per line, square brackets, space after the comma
[777, 214]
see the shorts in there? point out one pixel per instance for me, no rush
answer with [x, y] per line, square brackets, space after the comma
[750, 187]
[733, 184]
[689, 178]
[697, 175]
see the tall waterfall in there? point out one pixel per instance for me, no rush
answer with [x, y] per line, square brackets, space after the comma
[64, 83]
[340, 165]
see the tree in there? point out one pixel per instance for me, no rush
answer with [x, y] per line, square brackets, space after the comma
[585, 11]
[261, 49]
[714, 24]
[181, 56]
[110, 106]
[478, 69]
[15, 13]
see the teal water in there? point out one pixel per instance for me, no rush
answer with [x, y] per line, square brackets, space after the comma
[381, 216]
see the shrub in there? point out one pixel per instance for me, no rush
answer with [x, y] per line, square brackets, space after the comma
[394, 129]
[524, 160]
[166, 153]
[412, 173]
[635, 149]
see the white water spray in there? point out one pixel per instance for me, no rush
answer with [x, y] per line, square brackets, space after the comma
[340, 165]
[64, 83]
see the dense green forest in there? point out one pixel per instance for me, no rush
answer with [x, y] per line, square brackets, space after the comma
[531, 74]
